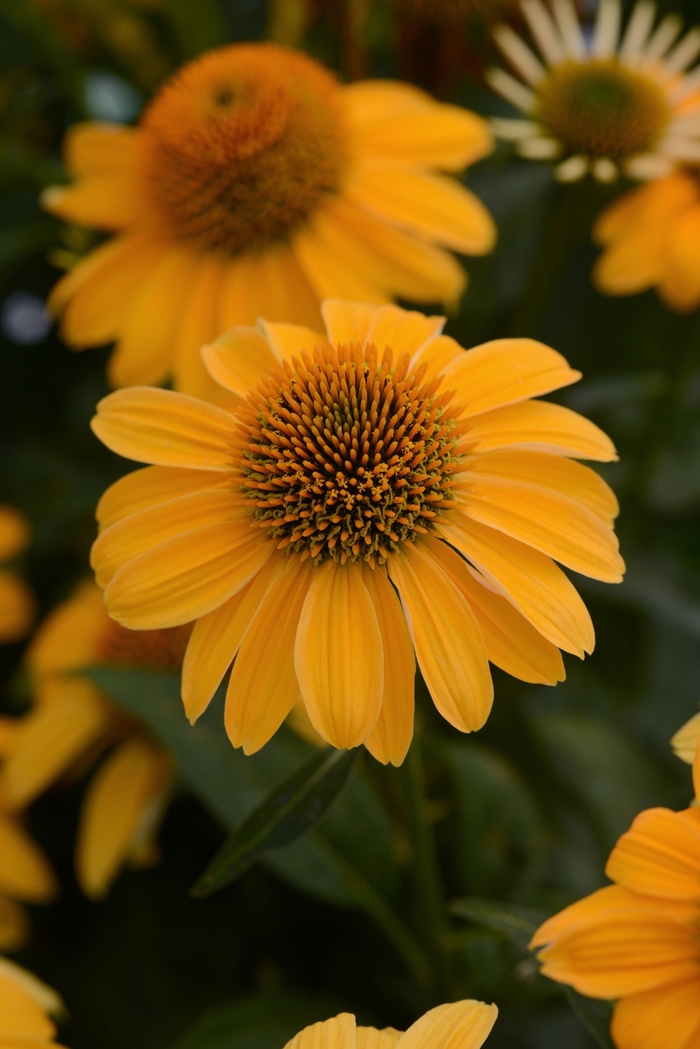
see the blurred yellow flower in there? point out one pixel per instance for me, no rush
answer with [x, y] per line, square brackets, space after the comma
[458, 1025]
[256, 185]
[651, 239]
[320, 533]
[16, 599]
[72, 724]
[617, 104]
[26, 1005]
[637, 941]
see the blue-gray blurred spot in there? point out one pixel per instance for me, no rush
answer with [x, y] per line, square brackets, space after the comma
[24, 319]
[108, 97]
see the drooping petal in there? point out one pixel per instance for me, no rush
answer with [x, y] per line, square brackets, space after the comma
[391, 737]
[338, 656]
[539, 426]
[680, 284]
[547, 521]
[127, 785]
[150, 486]
[23, 1022]
[186, 576]
[338, 1033]
[263, 686]
[512, 643]
[197, 326]
[337, 265]
[659, 855]
[507, 371]
[71, 633]
[446, 636]
[239, 359]
[456, 1025]
[269, 284]
[437, 208]
[639, 1018]
[217, 636]
[109, 201]
[17, 607]
[528, 579]
[164, 428]
[94, 148]
[24, 871]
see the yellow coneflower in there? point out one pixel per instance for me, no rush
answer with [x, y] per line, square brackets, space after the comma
[621, 103]
[637, 941]
[255, 185]
[26, 1005]
[16, 599]
[357, 505]
[72, 724]
[466, 1024]
[651, 239]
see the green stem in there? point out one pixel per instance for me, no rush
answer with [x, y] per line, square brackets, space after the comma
[428, 888]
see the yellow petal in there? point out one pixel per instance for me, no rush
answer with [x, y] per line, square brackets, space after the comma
[632, 264]
[94, 148]
[24, 872]
[548, 471]
[216, 639]
[23, 1022]
[197, 326]
[391, 736]
[370, 100]
[44, 996]
[105, 201]
[685, 741]
[457, 1025]
[547, 521]
[14, 926]
[269, 284]
[512, 643]
[70, 635]
[696, 772]
[165, 428]
[145, 351]
[346, 321]
[15, 532]
[338, 656]
[17, 607]
[506, 371]
[404, 331]
[431, 206]
[539, 426]
[673, 1009]
[70, 719]
[263, 686]
[334, 264]
[96, 295]
[149, 487]
[371, 1038]
[651, 206]
[134, 535]
[436, 355]
[338, 1033]
[290, 340]
[680, 284]
[659, 855]
[239, 360]
[528, 579]
[446, 636]
[186, 576]
[131, 782]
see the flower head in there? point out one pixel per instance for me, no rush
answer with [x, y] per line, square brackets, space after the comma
[637, 940]
[621, 103]
[26, 1005]
[255, 185]
[375, 491]
[16, 599]
[72, 723]
[458, 1025]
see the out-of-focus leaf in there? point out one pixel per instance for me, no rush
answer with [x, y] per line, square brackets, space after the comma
[262, 1021]
[519, 924]
[199, 26]
[293, 808]
[26, 240]
[30, 21]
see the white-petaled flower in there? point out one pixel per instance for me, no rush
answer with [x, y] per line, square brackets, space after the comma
[609, 102]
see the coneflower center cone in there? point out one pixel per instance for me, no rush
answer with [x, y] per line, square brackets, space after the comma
[346, 455]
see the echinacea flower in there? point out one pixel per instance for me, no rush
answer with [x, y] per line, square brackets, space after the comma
[25, 877]
[16, 599]
[457, 1025]
[26, 1006]
[621, 103]
[256, 185]
[376, 491]
[72, 724]
[651, 239]
[637, 941]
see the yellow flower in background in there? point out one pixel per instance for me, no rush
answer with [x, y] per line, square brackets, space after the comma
[72, 723]
[256, 185]
[637, 941]
[651, 239]
[458, 1025]
[16, 599]
[686, 744]
[26, 1005]
[621, 104]
[359, 504]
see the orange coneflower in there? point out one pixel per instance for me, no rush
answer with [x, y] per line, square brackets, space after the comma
[466, 1024]
[376, 491]
[26, 1005]
[256, 185]
[16, 599]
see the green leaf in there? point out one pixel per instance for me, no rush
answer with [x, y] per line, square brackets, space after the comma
[289, 811]
[261, 1021]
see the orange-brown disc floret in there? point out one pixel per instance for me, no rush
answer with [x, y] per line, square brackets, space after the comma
[242, 145]
[346, 456]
